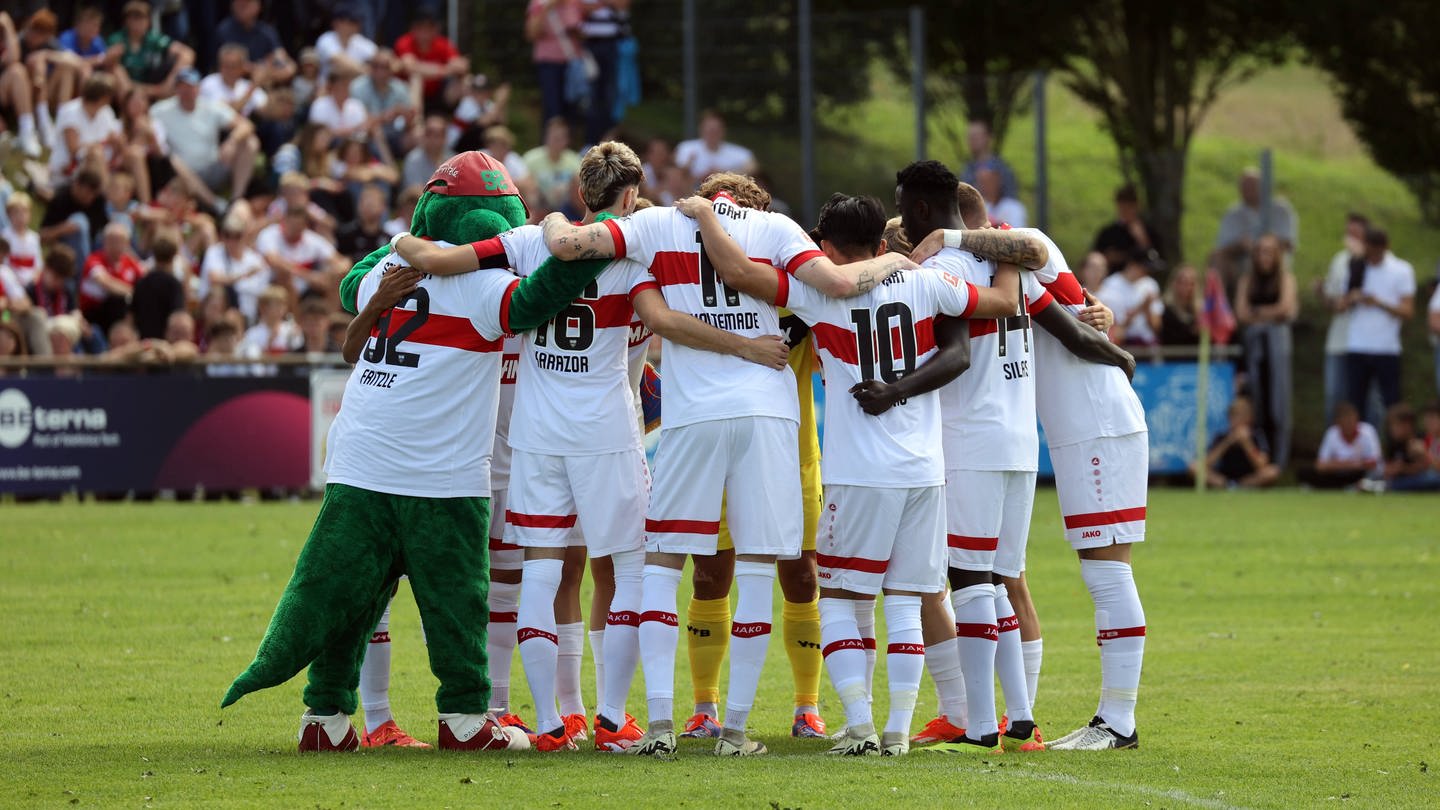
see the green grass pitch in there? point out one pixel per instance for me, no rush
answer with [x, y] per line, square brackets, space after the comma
[1292, 661]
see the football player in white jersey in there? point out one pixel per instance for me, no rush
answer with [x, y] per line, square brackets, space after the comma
[413, 500]
[884, 518]
[730, 429]
[991, 452]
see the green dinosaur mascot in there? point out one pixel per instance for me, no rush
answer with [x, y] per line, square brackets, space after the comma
[408, 468]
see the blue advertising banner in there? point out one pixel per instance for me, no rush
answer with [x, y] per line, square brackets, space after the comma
[113, 434]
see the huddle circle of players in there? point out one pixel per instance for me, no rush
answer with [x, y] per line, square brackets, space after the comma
[936, 374]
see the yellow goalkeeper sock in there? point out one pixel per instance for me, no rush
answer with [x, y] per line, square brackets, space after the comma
[802, 644]
[708, 624]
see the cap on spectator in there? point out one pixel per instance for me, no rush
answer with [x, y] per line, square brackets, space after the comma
[188, 76]
[473, 174]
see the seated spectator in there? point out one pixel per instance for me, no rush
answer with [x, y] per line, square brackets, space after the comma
[108, 278]
[404, 210]
[194, 127]
[1135, 298]
[86, 129]
[386, 100]
[336, 110]
[980, 140]
[483, 106]
[120, 204]
[150, 60]
[275, 332]
[1239, 457]
[76, 214]
[431, 62]
[1241, 228]
[362, 235]
[358, 168]
[677, 184]
[158, 293]
[84, 40]
[1003, 210]
[54, 70]
[343, 39]
[67, 334]
[180, 334]
[147, 148]
[53, 292]
[1093, 271]
[229, 86]
[1408, 465]
[275, 122]
[1349, 452]
[222, 342]
[315, 329]
[173, 207]
[24, 243]
[16, 308]
[269, 65]
[295, 193]
[1128, 233]
[12, 343]
[499, 143]
[554, 165]
[16, 90]
[306, 83]
[1430, 421]
[659, 156]
[711, 153]
[236, 268]
[421, 161]
[1180, 322]
[298, 257]
[1379, 306]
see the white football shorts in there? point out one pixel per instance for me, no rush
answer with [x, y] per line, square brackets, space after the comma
[1102, 484]
[987, 519]
[603, 496]
[874, 539]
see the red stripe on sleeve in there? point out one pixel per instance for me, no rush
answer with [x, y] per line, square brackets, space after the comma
[972, 295]
[505, 305]
[782, 290]
[1091, 519]
[642, 286]
[487, 249]
[617, 235]
[1039, 304]
[800, 259]
[1066, 289]
[980, 327]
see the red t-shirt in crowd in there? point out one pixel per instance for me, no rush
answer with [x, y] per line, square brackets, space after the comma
[127, 269]
[440, 52]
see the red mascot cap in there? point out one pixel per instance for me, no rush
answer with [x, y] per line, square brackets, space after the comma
[473, 174]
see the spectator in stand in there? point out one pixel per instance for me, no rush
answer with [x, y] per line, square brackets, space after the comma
[180, 334]
[16, 308]
[306, 83]
[1243, 225]
[298, 257]
[67, 334]
[1408, 465]
[1180, 324]
[1434, 321]
[677, 185]
[499, 143]
[120, 204]
[1347, 272]
[553, 27]
[146, 146]
[222, 341]
[404, 210]
[53, 292]
[12, 343]
[16, 89]
[482, 107]
[1134, 296]
[194, 128]
[386, 100]
[1378, 307]
[108, 278]
[84, 44]
[711, 153]
[1003, 210]
[1128, 233]
[269, 65]
[362, 235]
[315, 329]
[24, 243]
[982, 156]
[336, 110]
[1239, 457]
[151, 60]
[554, 165]
[76, 214]
[1266, 304]
[175, 206]
[1430, 422]
[236, 268]
[295, 193]
[1093, 271]
[228, 84]
[606, 23]
[275, 333]
[158, 293]
[431, 63]
[54, 70]
[358, 169]
[275, 122]
[86, 129]
[659, 156]
[421, 161]
[343, 39]
[1349, 452]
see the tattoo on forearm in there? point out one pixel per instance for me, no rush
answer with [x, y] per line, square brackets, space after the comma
[1001, 246]
[865, 283]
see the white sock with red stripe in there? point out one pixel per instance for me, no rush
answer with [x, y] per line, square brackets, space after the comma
[539, 641]
[597, 659]
[845, 657]
[375, 675]
[659, 635]
[1033, 651]
[567, 673]
[749, 638]
[943, 662]
[1009, 662]
[1120, 629]
[904, 660]
[622, 635]
[976, 627]
[500, 641]
[865, 623]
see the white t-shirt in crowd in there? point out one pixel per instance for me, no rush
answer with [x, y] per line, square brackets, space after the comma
[90, 129]
[1372, 329]
[194, 136]
[1337, 283]
[217, 261]
[1009, 211]
[359, 49]
[261, 339]
[309, 251]
[25, 257]
[1124, 296]
[338, 118]
[214, 88]
[10, 286]
[1365, 447]
[697, 158]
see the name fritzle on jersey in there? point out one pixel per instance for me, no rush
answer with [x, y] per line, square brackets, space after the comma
[378, 379]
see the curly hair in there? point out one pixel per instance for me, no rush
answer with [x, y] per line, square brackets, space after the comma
[747, 192]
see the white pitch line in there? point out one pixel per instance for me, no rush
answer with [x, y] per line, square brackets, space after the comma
[1172, 794]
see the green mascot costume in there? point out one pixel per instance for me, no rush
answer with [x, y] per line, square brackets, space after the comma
[364, 540]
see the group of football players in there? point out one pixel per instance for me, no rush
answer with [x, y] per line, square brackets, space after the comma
[935, 380]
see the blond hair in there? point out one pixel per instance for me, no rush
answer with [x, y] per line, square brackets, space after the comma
[747, 192]
[606, 171]
[895, 239]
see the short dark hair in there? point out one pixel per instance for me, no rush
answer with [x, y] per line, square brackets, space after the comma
[852, 223]
[1345, 408]
[1127, 194]
[222, 327]
[89, 178]
[1377, 237]
[165, 249]
[931, 181]
[1357, 218]
[1402, 413]
[60, 260]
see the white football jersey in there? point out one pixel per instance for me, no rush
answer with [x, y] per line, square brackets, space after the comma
[1077, 400]
[881, 335]
[309, 252]
[418, 416]
[573, 396]
[701, 386]
[509, 368]
[989, 410]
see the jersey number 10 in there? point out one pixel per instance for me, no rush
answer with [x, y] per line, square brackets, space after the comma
[875, 337]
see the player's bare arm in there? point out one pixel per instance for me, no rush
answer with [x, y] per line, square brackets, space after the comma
[736, 269]
[951, 359]
[1081, 340]
[1096, 314]
[1014, 247]
[394, 286]
[1002, 298]
[569, 242]
[428, 257]
[766, 350]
